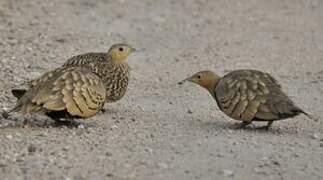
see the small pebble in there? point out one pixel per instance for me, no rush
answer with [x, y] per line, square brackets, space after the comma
[275, 162]
[315, 136]
[31, 148]
[9, 137]
[296, 155]
[227, 172]
[219, 155]
[61, 40]
[81, 126]
[108, 154]
[109, 175]
[260, 171]
[114, 127]
[66, 148]
[163, 165]
[231, 131]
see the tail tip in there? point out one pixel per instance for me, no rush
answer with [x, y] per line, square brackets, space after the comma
[4, 113]
[316, 119]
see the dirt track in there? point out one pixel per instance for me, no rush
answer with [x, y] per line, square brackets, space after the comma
[161, 130]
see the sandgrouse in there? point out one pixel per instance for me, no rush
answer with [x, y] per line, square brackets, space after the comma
[109, 71]
[65, 92]
[248, 95]
[111, 67]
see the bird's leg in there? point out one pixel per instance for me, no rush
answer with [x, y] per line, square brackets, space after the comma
[108, 110]
[75, 123]
[103, 110]
[268, 126]
[244, 124]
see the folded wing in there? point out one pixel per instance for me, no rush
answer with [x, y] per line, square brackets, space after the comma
[73, 90]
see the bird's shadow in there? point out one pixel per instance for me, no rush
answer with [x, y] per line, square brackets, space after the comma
[108, 110]
[17, 120]
[218, 125]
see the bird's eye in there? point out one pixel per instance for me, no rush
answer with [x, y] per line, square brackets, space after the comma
[120, 48]
[199, 76]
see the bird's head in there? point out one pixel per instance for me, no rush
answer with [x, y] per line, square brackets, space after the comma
[120, 52]
[206, 79]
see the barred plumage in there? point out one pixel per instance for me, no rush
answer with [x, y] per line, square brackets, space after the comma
[84, 59]
[76, 87]
[114, 72]
[248, 95]
[64, 92]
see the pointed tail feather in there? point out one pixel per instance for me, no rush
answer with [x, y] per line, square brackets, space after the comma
[308, 115]
[311, 117]
[18, 93]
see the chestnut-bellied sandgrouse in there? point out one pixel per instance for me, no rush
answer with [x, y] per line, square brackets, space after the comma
[111, 67]
[65, 92]
[248, 95]
[78, 81]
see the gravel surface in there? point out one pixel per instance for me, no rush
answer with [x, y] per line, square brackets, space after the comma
[161, 130]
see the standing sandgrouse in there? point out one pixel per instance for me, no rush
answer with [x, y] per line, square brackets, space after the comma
[248, 95]
[111, 67]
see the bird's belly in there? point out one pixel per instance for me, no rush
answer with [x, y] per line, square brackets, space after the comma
[115, 91]
[115, 96]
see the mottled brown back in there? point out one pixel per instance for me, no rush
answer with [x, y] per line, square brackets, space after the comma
[88, 59]
[73, 90]
[115, 77]
[253, 95]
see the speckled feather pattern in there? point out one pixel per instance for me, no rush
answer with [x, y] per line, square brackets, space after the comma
[75, 90]
[249, 95]
[115, 76]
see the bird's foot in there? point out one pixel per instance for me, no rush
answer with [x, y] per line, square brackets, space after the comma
[108, 110]
[267, 127]
[243, 125]
[263, 128]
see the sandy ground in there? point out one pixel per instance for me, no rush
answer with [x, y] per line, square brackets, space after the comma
[161, 130]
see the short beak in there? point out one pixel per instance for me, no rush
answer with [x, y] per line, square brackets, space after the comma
[187, 79]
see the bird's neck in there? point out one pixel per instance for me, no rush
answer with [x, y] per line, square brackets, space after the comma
[212, 83]
[108, 66]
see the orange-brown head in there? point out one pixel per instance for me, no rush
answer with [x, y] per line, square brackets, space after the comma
[120, 52]
[206, 79]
